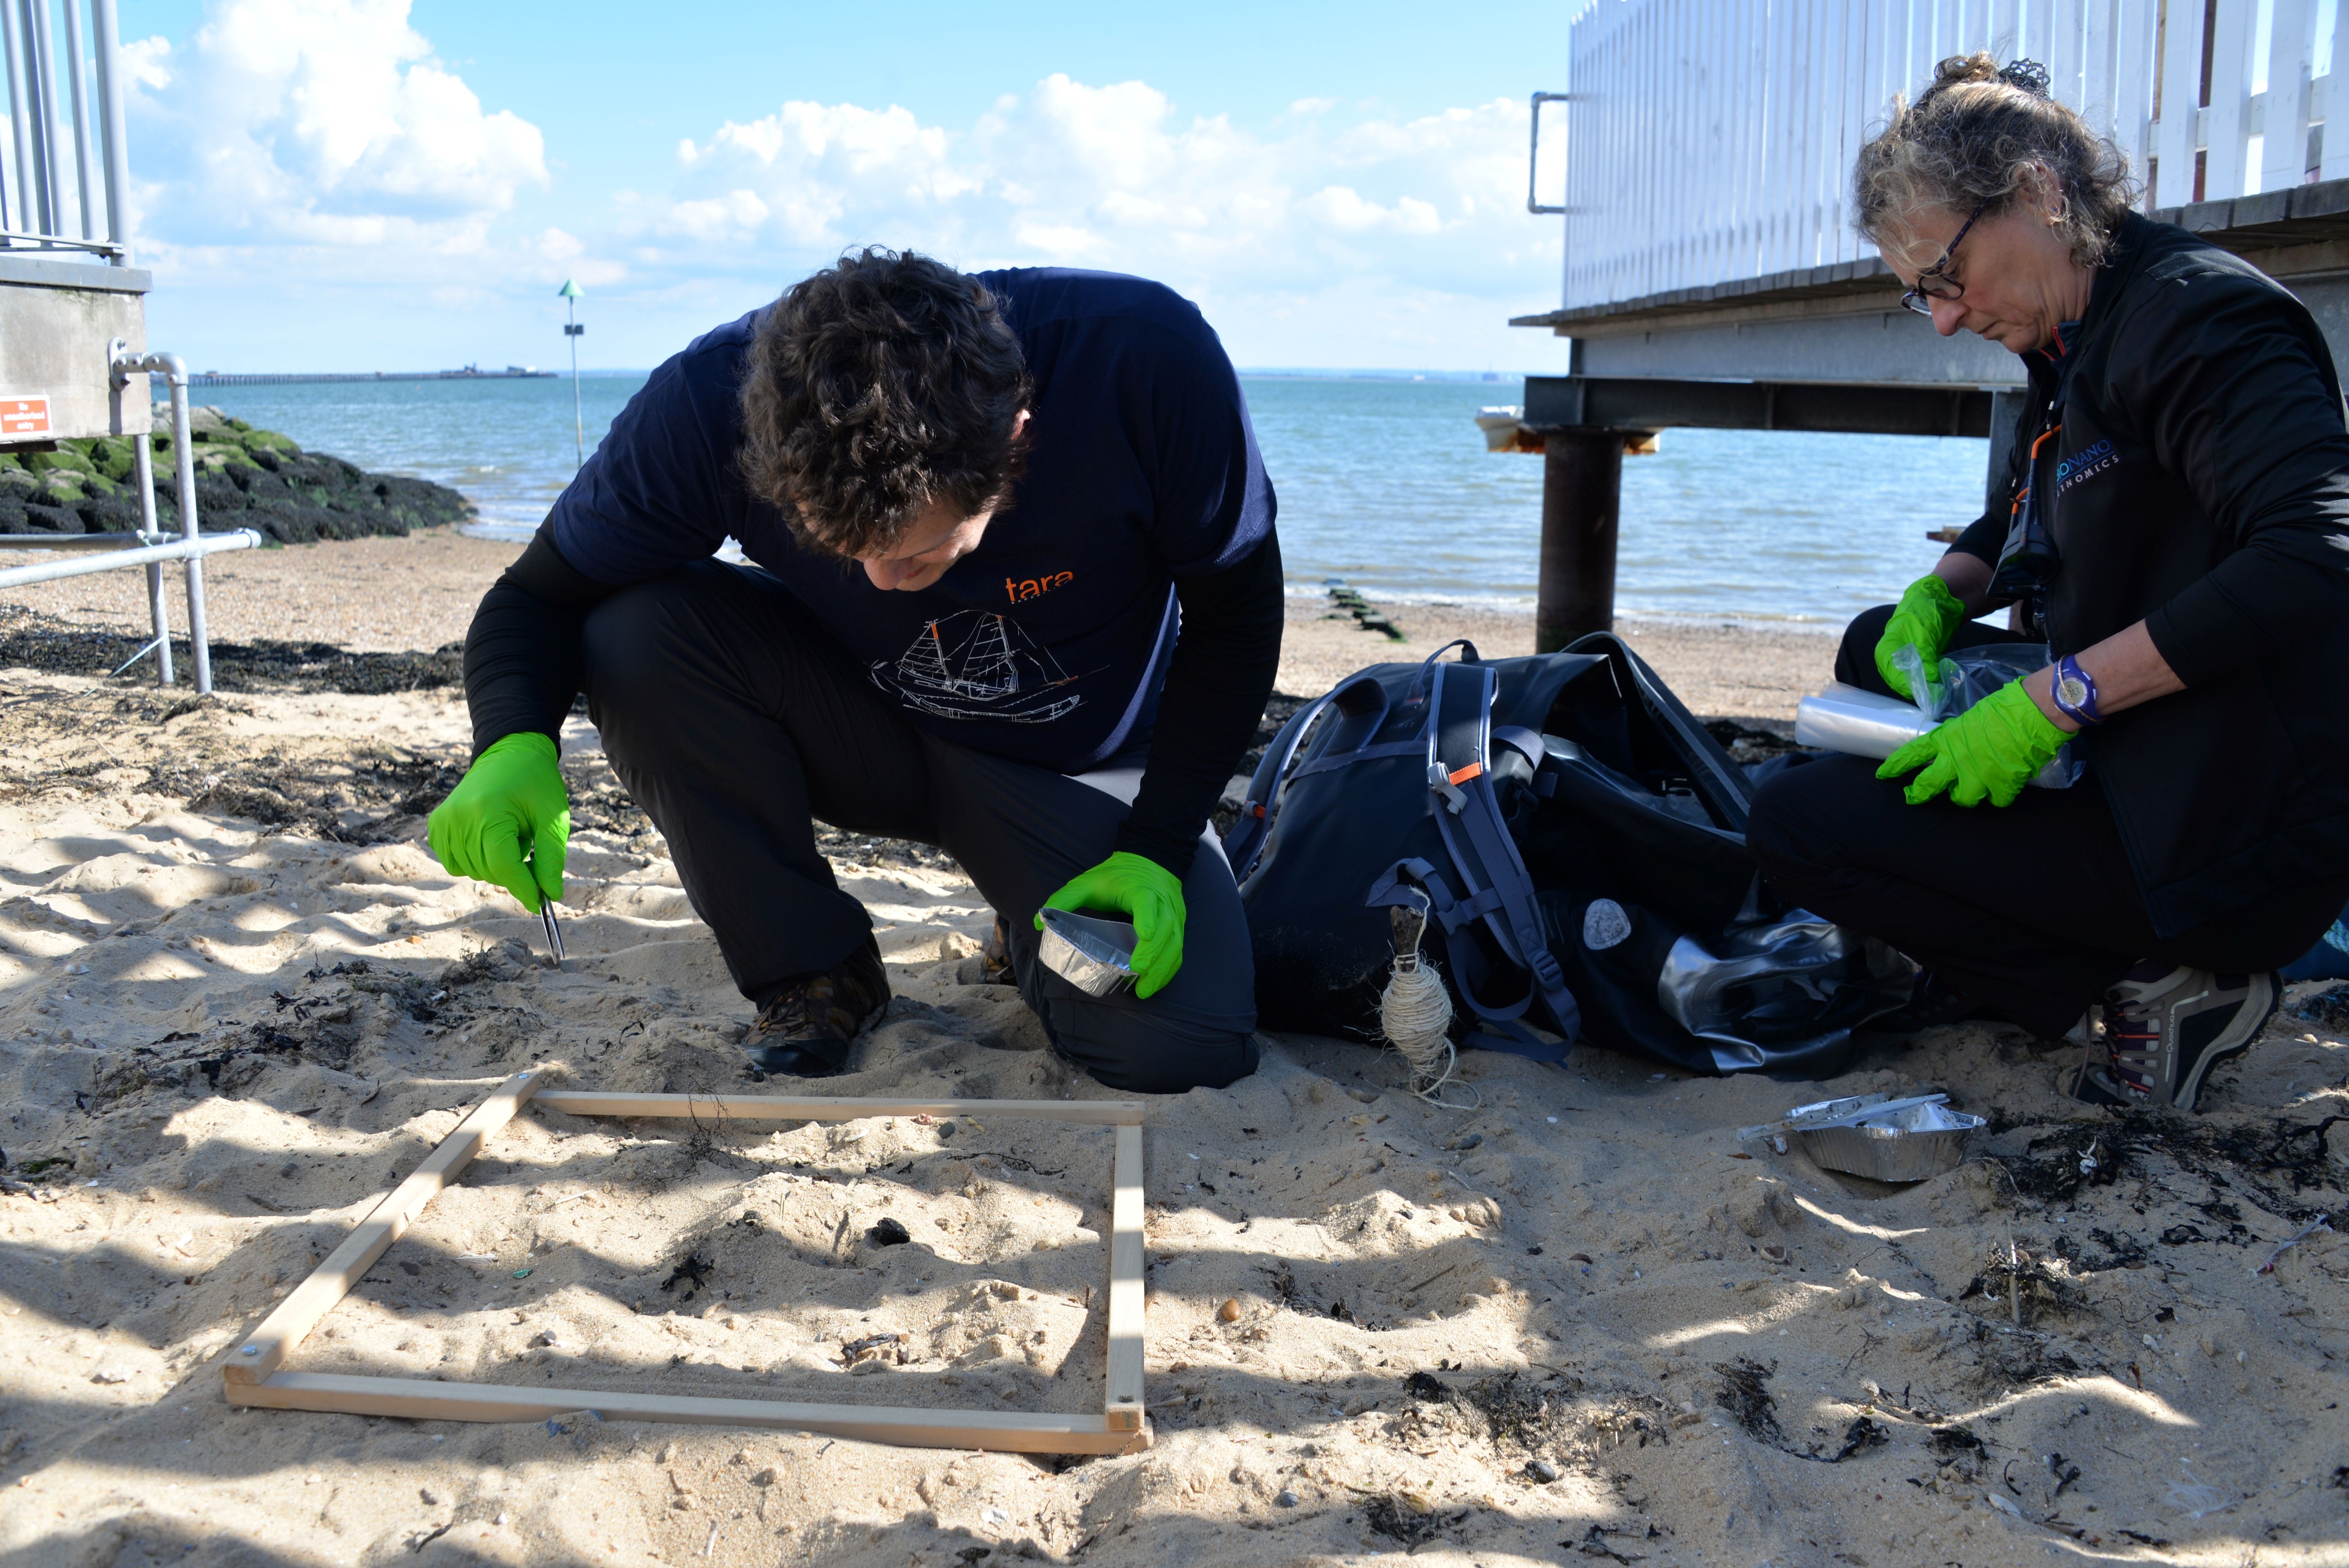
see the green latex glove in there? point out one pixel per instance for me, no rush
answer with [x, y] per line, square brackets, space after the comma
[1927, 617]
[508, 821]
[1147, 893]
[1987, 753]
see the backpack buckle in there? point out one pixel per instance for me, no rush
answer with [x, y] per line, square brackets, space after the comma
[1441, 780]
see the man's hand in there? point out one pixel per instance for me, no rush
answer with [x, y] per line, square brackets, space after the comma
[1987, 753]
[1151, 895]
[1927, 617]
[508, 821]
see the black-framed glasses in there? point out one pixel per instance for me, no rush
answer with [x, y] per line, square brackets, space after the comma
[1931, 283]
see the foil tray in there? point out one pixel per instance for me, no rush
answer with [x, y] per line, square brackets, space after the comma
[1912, 1143]
[1095, 955]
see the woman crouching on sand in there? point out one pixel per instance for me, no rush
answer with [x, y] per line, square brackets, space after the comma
[2177, 535]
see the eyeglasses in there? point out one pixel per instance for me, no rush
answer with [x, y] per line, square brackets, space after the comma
[1930, 284]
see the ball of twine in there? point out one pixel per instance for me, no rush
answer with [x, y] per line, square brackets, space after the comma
[1415, 1021]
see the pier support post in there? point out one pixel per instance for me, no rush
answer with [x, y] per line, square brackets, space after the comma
[1582, 496]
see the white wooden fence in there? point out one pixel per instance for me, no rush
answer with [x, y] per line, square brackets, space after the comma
[1711, 140]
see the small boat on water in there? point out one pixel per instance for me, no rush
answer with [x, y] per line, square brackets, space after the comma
[1501, 424]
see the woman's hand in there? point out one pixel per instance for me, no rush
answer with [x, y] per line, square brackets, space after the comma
[1987, 753]
[1927, 617]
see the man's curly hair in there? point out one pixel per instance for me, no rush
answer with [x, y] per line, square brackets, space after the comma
[880, 384]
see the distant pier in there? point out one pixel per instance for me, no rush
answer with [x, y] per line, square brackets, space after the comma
[470, 373]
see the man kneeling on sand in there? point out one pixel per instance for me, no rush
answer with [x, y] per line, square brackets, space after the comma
[1015, 595]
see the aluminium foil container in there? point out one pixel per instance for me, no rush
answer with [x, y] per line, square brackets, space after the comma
[1913, 1144]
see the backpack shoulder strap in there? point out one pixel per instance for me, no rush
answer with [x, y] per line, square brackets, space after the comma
[1476, 836]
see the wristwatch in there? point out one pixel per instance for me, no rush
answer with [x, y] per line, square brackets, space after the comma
[2073, 690]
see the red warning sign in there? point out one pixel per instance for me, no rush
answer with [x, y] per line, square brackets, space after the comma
[24, 416]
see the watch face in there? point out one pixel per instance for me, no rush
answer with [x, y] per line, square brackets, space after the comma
[2073, 690]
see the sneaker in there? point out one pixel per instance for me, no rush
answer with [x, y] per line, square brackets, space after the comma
[2166, 1027]
[805, 1029]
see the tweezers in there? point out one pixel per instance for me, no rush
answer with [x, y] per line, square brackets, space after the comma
[553, 932]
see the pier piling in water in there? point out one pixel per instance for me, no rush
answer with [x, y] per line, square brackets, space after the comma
[1582, 500]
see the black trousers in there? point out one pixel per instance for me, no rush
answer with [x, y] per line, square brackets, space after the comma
[2030, 911]
[736, 723]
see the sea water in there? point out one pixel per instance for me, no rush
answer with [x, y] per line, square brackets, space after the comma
[1383, 482]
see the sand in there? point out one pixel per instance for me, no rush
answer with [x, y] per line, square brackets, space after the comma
[1578, 1323]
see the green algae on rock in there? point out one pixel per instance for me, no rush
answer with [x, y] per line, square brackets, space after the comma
[245, 477]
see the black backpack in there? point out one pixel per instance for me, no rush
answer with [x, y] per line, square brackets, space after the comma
[1577, 838]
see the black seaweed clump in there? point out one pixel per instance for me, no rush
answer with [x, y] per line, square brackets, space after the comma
[30, 640]
[1746, 1395]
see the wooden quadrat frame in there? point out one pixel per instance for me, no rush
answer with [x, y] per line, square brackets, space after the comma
[254, 1372]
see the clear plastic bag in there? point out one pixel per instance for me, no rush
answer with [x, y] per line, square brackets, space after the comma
[1968, 675]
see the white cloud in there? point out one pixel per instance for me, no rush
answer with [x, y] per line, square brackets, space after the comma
[317, 123]
[297, 150]
[1257, 223]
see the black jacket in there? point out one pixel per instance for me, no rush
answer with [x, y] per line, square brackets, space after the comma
[2200, 482]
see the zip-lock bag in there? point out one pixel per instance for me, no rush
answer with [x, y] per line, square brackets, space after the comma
[1577, 841]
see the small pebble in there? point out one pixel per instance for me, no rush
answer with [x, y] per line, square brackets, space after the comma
[1286, 1499]
[1465, 1140]
[945, 1129]
[1541, 1471]
[1230, 1310]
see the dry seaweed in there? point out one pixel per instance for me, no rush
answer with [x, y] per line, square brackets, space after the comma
[2274, 1159]
[1746, 1395]
[31, 640]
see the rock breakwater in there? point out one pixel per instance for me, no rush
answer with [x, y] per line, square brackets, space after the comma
[245, 477]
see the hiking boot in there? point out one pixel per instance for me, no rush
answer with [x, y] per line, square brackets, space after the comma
[2165, 1026]
[806, 1028]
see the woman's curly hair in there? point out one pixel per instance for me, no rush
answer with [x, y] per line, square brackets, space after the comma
[880, 384]
[1974, 138]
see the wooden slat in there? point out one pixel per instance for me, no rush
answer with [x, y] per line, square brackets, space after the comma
[782, 1107]
[261, 1353]
[2284, 150]
[419, 1399]
[1124, 1393]
[2336, 107]
[2227, 121]
[2181, 93]
[2133, 74]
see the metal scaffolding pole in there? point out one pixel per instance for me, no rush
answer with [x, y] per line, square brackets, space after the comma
[112, 139]
[20, 116]
[142, 457]
[41, 72]
[80, 119]
[191, 548]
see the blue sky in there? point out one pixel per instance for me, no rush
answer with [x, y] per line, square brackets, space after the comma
[381, 184]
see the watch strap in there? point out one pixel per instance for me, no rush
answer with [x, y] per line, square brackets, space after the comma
[2074, 691]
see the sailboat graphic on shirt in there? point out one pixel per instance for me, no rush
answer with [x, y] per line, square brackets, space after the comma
[977, 665]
